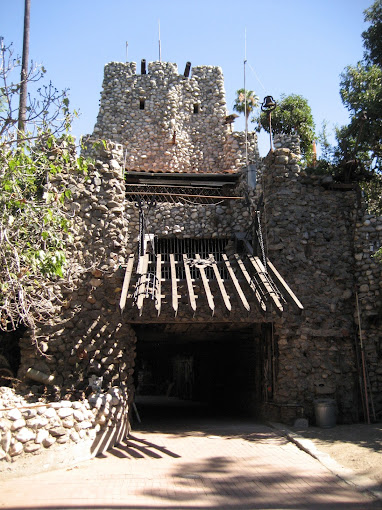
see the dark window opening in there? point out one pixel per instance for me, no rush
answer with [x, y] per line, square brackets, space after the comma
[196, 108]
[142, 104]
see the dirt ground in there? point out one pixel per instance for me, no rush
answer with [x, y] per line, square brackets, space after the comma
[358, 447]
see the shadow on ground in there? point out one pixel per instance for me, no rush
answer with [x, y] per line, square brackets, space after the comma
[221, 480]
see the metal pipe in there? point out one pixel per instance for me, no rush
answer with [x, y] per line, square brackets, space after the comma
[363, 361]
[270, 131]
[159, 42]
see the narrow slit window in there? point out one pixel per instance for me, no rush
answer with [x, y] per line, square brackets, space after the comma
[196, 108]
[141, 104]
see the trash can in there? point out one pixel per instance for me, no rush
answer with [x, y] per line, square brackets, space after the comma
[325, 410]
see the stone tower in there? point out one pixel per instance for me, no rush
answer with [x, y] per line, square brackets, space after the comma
[169, 122]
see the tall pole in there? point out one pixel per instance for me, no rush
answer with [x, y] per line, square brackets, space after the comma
[367, 417]
[24, 70]
[245, 102]
[160, 49]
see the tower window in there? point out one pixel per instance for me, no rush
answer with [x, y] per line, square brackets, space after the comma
[196, 108]
[142, 104]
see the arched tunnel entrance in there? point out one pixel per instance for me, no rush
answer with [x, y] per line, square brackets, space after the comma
[201, 369]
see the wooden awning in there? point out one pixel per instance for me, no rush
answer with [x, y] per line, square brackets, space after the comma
[170, 279]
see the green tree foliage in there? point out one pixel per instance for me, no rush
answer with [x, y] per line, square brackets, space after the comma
[292, 115]
[361, 93]
[246, 101]
[358, 155]
[34, 223]
[372, 37]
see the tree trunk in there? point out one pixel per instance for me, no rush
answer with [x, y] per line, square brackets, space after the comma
[24, 72]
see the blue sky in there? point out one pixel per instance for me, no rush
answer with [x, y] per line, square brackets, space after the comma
[293, 46]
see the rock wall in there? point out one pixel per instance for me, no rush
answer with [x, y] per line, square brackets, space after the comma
[40, 429]
[368, 275]
[169, 123]
[220, 220]
[292, 142]
[318, 238]
[314, 237]
[88, 336]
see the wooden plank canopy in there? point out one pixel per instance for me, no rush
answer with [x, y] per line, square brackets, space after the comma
[158, 282]
[126, 282]
[236, 283]
[287, 291]
[259, 299]
[190, 287]
[209, 295]
[266, 283]
[174, 286]
[143, 262]
[169, 278]
[219, 279]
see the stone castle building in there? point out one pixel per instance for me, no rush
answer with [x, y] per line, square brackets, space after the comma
[209, 274]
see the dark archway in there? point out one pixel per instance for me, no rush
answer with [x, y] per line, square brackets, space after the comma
[210, 369]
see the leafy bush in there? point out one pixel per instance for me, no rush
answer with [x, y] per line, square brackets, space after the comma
[34, 223]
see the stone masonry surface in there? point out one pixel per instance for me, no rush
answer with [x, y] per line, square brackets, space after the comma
[169, 123]
[320, 239]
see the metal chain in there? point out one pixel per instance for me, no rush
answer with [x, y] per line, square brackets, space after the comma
[143, 225]
[141, 228]
[260, 238]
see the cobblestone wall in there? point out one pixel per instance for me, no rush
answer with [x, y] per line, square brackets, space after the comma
[368, 274]
[169, 123]
[321, 240]
[98, 422]
[318, 238]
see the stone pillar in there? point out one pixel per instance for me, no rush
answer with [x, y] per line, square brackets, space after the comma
[88, 336]
[309, 236]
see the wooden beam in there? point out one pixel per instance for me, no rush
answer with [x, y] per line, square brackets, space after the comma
[261, 271]
[209, 295]
[289, 294]
[190, 287]
[174, 286]
[236, 282]
[141, 283]
[126, 282]
[224, 294]
[158, 286]
[259, 299]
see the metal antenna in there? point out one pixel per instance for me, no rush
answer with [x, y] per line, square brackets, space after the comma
[127, 47]
[160, 51]
[245, 101]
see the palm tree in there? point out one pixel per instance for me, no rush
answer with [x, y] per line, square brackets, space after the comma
[246, 101]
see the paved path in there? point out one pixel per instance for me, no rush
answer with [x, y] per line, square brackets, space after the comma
[213, 465]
